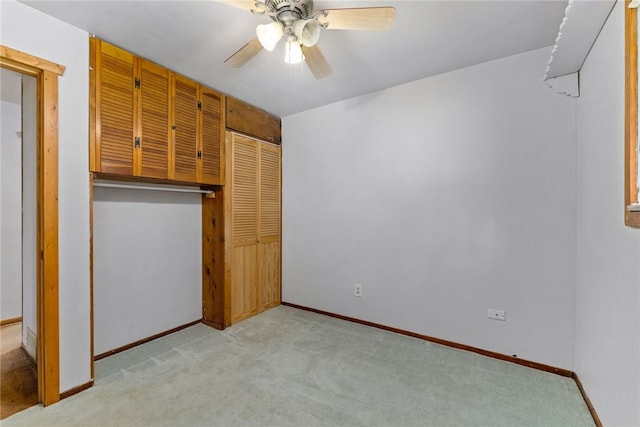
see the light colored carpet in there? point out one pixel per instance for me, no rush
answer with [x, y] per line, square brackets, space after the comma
[288, 367]
[10, 337]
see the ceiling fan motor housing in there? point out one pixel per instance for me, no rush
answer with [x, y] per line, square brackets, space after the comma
[302, 8]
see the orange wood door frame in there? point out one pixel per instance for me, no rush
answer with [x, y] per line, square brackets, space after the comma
[631, 218]
[46, 74]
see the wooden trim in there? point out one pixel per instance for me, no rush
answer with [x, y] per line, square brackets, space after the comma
[91, 310]
[48, 354]
[492, 354]
[76, 390]
[214, 325]
[146, 180]
[10, 321]
[227, 228]
[30, 60]
[249, 120]
[94, 106]
[144, 340]
[632, 219]
[213, 292]
[587, 401]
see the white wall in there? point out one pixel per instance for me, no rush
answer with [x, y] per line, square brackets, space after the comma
[11, 205]
[1, 291]
[0, 211]
[444, 197]
[147, 264]
[608, 292]
[30, 215]
[35, 33]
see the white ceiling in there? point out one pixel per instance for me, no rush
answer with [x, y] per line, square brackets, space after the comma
[428, 38]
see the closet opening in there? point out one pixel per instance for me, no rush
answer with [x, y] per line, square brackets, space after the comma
[29, 215]
[18, 264]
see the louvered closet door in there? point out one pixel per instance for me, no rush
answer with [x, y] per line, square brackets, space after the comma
[185, 132]
[244, 227]
[154, 112]
[114, 109]
[211, 134]
[269, 226]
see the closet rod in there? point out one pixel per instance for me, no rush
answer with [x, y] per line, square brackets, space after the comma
[152, 188]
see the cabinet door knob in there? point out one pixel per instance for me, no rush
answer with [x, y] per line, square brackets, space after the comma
[173, 127]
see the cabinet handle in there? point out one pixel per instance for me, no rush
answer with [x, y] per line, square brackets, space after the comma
[173, 127]
[136, 142]
[199, 154]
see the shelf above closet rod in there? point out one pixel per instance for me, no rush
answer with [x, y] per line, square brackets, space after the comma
[107, 184]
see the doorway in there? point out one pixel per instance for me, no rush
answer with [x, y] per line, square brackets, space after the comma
[18, 221]
[45, 212]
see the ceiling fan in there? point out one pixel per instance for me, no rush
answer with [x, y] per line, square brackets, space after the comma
[300, 25]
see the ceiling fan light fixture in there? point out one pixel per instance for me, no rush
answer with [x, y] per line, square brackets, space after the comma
[307, 31]
[269, 34]
[300, 24]
[293, 52]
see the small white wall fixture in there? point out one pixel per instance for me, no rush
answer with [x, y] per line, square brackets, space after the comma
[580, 27]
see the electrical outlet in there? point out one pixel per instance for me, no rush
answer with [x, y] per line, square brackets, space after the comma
[357, 290]
[497, 314]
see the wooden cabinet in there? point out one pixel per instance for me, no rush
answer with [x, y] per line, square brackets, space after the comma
[185, 108]
[149, 122]
[269, 235]
[112, 133]
[151, 145]
[198, 133]
[252, 206]
[249, 120]
[210, 137]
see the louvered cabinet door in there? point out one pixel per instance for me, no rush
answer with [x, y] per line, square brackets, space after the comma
[269, 226]
[154, 126]
[185, 135]
[211, 137]
[244, 227]
[114, 74]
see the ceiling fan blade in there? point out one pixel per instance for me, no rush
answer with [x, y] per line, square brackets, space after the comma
[366, 18]
[244, 54]
[316, 62]
[240, 4]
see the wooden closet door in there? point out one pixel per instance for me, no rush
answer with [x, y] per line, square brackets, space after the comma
[154, 126]
[244, 227]
[269, 226]
[211, 137]
[185, 136]
[114, 100]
